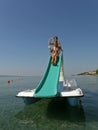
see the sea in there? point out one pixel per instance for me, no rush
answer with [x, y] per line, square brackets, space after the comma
[47, 114]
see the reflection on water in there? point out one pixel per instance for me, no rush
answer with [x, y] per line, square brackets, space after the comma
[53, 112]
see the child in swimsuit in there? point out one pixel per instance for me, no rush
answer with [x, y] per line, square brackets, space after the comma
[55, 49]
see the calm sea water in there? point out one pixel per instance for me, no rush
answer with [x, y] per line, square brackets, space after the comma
[47, 114]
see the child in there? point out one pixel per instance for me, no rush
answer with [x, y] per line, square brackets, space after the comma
[55, 49]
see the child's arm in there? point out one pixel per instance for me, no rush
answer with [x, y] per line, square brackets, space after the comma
[50, 43]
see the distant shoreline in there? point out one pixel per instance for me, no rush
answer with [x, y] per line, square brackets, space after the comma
[93, 73]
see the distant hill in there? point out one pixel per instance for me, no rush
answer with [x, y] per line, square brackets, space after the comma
[89, 73]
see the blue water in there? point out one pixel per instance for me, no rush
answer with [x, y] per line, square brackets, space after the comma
[47, 114]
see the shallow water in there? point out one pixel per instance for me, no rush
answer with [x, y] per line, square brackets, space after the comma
[47, 114]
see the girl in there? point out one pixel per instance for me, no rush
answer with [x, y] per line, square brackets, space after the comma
[55, 49]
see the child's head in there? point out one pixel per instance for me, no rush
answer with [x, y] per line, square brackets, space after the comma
[55, 41]
[55, 38]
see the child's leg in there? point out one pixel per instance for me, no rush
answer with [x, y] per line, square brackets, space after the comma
[52, 60]
[55, 59]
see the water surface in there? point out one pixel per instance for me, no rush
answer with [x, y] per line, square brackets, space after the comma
[47, 114]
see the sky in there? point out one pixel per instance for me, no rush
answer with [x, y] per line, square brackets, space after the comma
[26, 26]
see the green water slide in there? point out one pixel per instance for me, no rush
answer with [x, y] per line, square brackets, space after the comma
[48, 85]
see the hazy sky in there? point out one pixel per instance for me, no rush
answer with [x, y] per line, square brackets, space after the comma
[26, 26]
